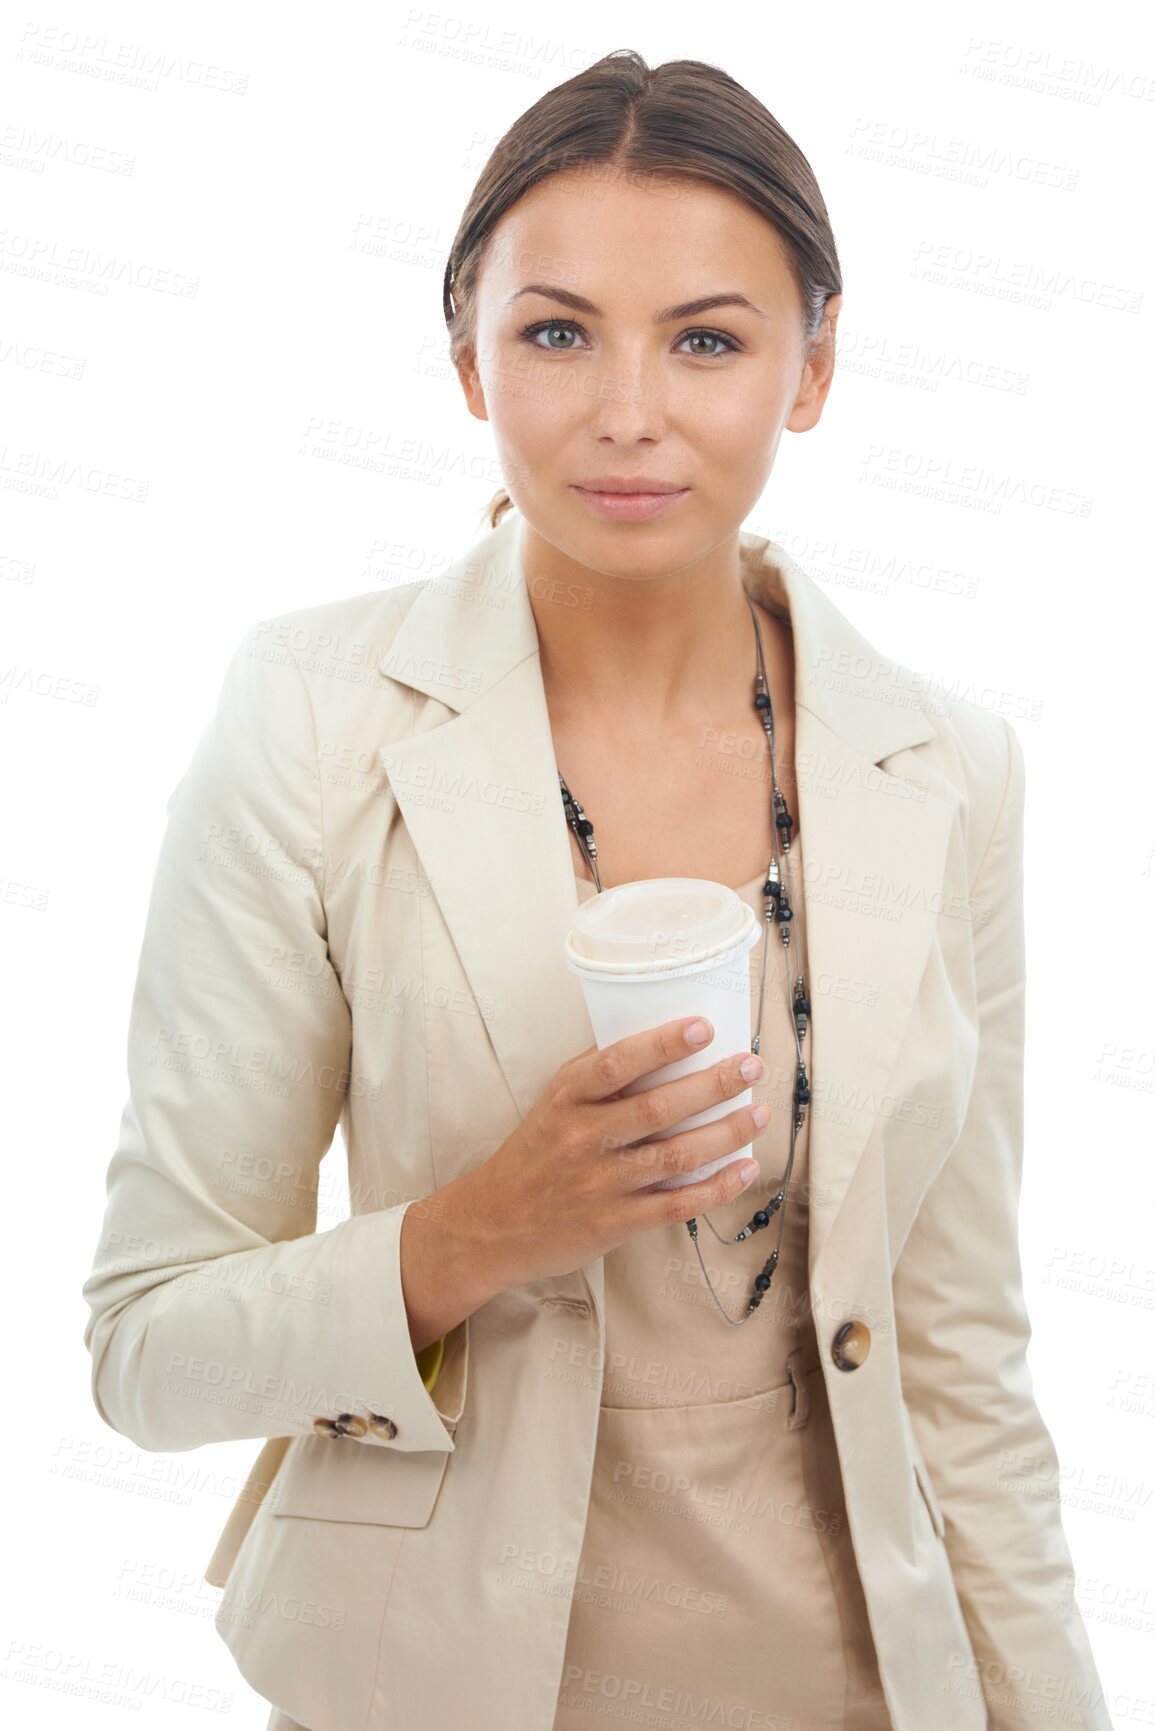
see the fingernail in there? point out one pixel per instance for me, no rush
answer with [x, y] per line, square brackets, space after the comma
[761, 1116]
[698, 1033]
[749, 1171]
[750, 1068]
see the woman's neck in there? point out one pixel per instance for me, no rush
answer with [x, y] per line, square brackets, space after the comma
[650, 650]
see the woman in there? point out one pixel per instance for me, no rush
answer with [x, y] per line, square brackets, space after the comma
[729, 1452]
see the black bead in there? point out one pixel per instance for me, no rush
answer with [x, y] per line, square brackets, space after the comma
[761, 1218]
[762, 700]
[762, 1281]
[585, 827]
[784, 820]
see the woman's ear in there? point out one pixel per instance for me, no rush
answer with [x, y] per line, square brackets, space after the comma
[818, 372]
[466, 368]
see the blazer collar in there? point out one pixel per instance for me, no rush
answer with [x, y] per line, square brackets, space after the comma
[465, 633]
[476, 784]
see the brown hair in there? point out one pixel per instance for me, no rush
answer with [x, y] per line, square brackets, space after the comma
[685, 118]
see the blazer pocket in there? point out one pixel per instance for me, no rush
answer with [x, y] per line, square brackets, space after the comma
[921, 1476]
[337, 1479]
[933, 1507]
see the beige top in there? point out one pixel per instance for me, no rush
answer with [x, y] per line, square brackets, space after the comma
[717, 1583]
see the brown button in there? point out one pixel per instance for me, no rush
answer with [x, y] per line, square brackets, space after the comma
[850, 1345]
[382, 1426]
[345, 1424]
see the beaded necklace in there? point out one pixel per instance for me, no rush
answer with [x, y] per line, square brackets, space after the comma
[779, 903]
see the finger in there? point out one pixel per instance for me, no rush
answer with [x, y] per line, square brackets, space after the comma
[648, 1163]
[686, 1201]
[652, 1110]
[602, 1071]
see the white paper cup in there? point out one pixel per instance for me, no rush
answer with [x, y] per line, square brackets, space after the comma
[658, 949]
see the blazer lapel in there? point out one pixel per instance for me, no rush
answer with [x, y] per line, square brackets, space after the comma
[479, 796]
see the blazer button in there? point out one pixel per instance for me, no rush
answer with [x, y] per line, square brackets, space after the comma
[382, 1426]
[850, 1345]
[345, 1424]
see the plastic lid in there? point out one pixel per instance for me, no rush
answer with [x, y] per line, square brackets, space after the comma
[655, 924]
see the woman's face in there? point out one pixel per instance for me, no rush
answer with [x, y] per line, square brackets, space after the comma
[615, 381]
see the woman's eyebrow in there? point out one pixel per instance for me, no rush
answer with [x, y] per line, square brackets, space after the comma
[684, 310]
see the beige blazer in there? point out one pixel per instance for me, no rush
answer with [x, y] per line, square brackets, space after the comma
[357, 919]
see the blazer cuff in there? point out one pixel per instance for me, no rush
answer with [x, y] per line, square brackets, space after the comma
[381, 1362]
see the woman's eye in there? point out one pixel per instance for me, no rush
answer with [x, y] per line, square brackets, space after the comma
[553, 327]
[709, 337]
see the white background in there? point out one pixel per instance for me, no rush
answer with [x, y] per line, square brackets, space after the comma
[984, 456]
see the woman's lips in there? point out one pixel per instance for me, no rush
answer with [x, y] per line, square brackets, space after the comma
[629, 507]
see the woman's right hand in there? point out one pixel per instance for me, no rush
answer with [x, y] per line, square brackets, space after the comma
[573, 1179]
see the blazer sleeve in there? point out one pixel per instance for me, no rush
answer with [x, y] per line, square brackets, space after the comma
[217, 1311]
[962, 1330]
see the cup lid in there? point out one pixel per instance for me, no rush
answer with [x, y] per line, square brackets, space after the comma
[656, 924]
